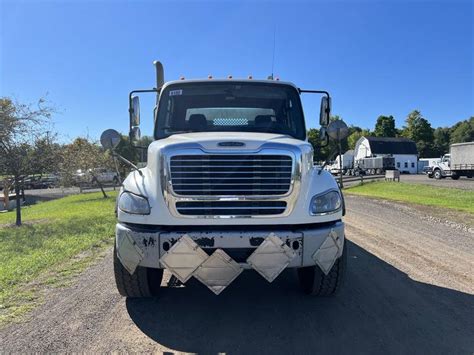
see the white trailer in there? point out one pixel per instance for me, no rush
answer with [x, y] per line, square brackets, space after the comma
[229, 185]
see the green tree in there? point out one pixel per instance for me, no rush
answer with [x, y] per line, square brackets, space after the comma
[322, 153]
[441, 141]
[385, 127]
[419, 130]
[126, 150]
[356, 135]
[86, 156]
[46, 155]
[20, 124]
[463, 131]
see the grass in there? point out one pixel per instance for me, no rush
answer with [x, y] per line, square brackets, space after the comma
[57, 241]
[455, 199]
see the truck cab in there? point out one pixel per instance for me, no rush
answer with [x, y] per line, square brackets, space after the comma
[229, 186]
[459, 162]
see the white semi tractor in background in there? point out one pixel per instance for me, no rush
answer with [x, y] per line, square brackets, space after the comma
[459, 162]
[343, 161]
[229, 185]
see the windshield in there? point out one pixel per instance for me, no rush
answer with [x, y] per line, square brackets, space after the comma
[230, 107]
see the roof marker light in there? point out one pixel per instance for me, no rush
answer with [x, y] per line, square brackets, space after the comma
[277, 78]
[209, 76]
[250, 77]
[181, 78]
[229, 77]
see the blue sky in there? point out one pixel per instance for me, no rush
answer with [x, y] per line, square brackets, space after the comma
[375, 57]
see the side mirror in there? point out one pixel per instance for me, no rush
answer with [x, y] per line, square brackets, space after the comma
[134, 110]
[110, 139]
[135, 134]
[325, 111]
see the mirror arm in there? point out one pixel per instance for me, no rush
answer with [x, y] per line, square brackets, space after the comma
[331, 157]
[126, 161]
[157, 90]
[302, 91]
[130, 97]
[324, 92]
[130, 109]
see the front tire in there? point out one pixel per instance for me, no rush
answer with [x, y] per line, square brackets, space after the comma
[437, 174]
[313, 281]
[144, 282]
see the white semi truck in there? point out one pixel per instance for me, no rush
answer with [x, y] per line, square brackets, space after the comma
[346, 164]
[229, 186]
[460, 162]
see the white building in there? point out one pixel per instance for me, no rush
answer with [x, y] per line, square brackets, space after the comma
[402, 149]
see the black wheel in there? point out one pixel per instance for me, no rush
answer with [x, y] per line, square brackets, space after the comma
[455, 177]
[144, 282]
[437, 174]
[313, 281]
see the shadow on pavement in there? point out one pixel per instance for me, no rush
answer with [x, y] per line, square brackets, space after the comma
[379, 309]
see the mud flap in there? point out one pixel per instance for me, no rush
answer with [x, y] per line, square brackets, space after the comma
[271, 257]
[184, 258]
[218, 271]
[328, 253]
[129, 253]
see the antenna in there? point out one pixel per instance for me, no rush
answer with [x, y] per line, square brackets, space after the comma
[273, 55]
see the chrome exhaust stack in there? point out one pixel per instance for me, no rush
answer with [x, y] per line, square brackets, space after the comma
[160, 75]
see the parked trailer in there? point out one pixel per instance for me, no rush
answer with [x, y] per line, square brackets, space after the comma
[460, 162]
[347, 163]
[374, 165]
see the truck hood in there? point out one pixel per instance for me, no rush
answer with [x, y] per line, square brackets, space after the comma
[209, 141]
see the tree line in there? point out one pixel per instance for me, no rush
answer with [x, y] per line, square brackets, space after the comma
[430, 142]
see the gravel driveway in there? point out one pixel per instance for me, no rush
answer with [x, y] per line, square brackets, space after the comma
[409, 289]
[463, 182]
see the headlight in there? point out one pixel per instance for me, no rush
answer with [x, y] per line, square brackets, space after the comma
[325, 203]
[133, 204]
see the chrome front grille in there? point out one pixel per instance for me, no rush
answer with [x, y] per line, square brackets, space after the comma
[231, 175]
[231, 208]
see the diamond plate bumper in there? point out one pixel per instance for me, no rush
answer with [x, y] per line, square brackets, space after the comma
[129, 253]
[216, 258]
[271, 257]
[218, 271]
[328, 252]
[184, 258]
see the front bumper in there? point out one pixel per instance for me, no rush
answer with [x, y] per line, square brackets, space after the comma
[216, 257]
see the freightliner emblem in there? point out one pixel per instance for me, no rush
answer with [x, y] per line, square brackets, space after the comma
[230, 144]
